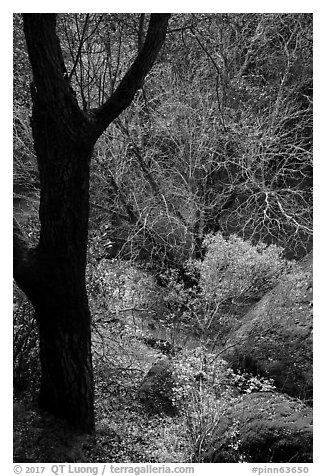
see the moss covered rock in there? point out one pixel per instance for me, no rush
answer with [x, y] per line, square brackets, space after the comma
[263, 428]
[156, 390]
[275, 337]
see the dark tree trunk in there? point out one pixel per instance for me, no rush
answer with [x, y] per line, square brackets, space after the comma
[52, 275]
[57, 291]
[65, 346]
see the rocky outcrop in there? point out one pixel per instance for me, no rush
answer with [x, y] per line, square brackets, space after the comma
[263, 428]
[275, 337]
[156, 390]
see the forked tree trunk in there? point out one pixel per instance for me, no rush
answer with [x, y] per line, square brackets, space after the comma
[52, 275]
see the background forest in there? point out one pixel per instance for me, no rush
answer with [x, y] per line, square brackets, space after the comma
[200, 205]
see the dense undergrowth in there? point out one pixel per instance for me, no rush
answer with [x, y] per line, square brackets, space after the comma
[135, 323]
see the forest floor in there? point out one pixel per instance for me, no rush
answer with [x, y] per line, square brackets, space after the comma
[125, 432]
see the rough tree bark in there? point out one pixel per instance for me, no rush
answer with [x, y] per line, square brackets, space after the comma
[52, 274]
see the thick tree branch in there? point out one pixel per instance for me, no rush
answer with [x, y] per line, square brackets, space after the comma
[43, 49]
[133, 79]
[51, 91]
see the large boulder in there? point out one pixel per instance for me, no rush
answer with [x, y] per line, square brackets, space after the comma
[156, 390]
[263, 428]
[275, 337]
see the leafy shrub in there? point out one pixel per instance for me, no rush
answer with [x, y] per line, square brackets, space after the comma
[244, 382]
[119, 300]
[232, 276]
[180, 305]
[118, 289]
[204, 388]
[237, 270]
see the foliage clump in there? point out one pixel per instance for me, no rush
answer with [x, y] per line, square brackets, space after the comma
[237, 270]
[204, 388]
[233, 275]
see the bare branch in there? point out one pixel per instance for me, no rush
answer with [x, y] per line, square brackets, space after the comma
[133, 79]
